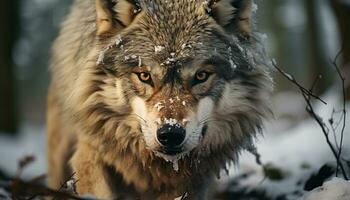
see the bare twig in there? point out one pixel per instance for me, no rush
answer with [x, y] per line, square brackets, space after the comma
[64, 185]
[23, 163]
[325, 130]
[342, 79]
[334, 133]
[293, 80]
[184, 196]
[28, 190]
[32, 189]
[308, 95]
[335, 124]
[313, 86]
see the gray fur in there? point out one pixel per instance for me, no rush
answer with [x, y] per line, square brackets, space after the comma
[173, 38]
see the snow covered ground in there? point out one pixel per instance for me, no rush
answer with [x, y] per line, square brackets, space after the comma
[292, 154]
[335, 189]
[30, 141]
[292, 148]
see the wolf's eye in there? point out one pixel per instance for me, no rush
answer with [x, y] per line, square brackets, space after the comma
[145, 77]
[201, 77]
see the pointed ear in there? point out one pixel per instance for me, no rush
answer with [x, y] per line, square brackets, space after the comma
[114, 15]
[235, 16]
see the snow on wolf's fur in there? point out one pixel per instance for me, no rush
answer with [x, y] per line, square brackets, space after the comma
[191, 67]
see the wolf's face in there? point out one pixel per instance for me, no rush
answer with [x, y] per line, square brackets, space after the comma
[190, 83]
[176, 101]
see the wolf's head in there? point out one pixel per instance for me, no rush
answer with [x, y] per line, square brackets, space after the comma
[182, 75]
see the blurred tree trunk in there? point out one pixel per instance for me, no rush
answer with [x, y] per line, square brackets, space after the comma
[342, 13]
[319, 62]
[272, 25]
[8, 29]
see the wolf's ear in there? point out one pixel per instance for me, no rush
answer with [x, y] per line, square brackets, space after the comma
[114, 15]
[235, 16]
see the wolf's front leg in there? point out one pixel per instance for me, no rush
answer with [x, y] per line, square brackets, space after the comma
[90, 172]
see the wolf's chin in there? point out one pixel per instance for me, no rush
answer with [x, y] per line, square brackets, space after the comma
[174, 159]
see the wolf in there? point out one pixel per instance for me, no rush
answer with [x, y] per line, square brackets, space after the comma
[152, 99]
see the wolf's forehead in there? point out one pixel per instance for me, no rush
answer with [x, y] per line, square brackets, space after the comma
[172, 8]
[174, 22]
[171, 29]
[177, 48]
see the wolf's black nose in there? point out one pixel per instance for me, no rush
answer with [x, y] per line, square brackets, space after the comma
[171, 136]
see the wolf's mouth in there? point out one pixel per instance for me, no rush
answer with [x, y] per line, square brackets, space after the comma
[172, 158]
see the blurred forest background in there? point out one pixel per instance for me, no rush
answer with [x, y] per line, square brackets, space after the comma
[302, 35]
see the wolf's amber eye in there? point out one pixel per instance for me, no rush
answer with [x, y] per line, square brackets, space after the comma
[145, 77]
[201, 77]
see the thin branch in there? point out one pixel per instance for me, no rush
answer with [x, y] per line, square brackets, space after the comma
[334, 130]
[64, 184]
[33, 188]
[307, 95]
[325, 132]
[295, 82]
[342, 79]
[27, 190]
[313, 86]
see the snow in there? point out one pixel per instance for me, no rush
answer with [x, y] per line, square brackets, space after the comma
[30, 141]
[4, 195]
[118, 41]
[169, 61]
[171, 121]
[159, 106]
[173, 159]
[206, 6]
[185, 45]
[335, 189]
[158, 48]
[233, 65]
[101, 57]
[126, 58]
[140, 61]
[297, 152]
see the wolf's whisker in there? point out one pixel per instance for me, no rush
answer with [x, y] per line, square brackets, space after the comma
[139, 117]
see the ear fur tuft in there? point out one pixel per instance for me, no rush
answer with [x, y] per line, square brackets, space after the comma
[235, 16]
[114, 15]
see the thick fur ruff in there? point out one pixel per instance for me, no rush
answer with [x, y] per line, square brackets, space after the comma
[102, 119]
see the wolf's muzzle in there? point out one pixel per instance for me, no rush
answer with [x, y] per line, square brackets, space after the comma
[171, 137]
